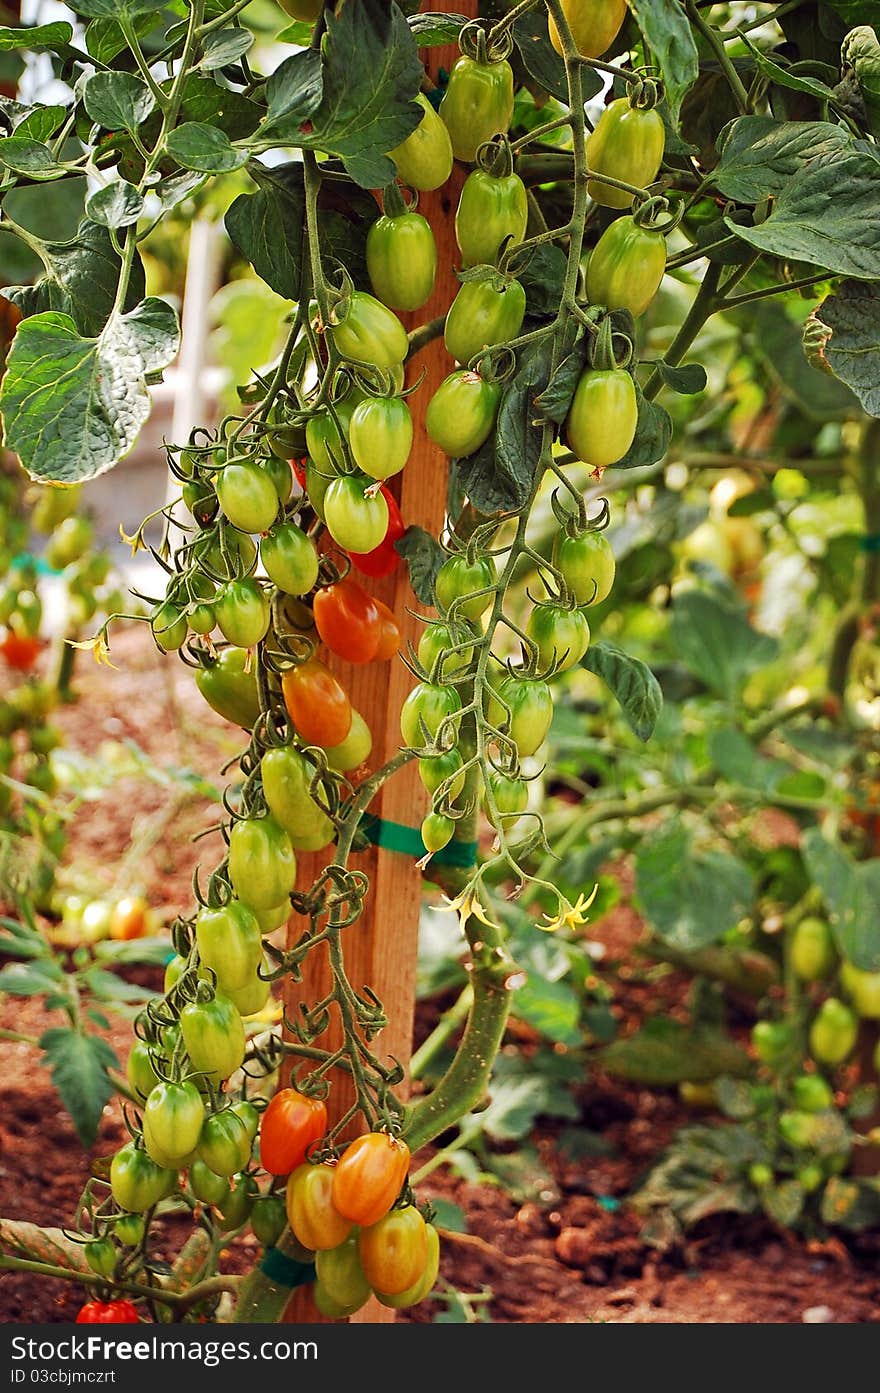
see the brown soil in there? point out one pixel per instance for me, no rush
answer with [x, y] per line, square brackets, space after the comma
[575, 1257]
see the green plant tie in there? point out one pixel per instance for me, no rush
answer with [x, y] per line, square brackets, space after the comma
[870, 541]
[285, 1271]
[395, 836]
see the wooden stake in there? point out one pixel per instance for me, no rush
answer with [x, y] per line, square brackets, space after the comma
[381, 948]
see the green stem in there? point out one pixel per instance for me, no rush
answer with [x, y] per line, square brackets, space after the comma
[716, 43]
[735, 300]
[702, 308]
[442, 1033]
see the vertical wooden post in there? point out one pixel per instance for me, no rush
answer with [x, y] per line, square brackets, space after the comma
[381, 948]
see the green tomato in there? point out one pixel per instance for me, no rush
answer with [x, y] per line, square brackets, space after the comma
[628, 145]
[206, 1184]
[324, 438]
[242, 612]
[771, 1041]
[797, 1129]
[169, 627]
[493, 211]
[230, 944]
[483, 313]
[355, 748]
[833, 1032]
[236, 1208]
[286, 776]
[811, 950]
[69, 542]
[268, 1219]
[461, 413]
[290, 559]
[174, 970]
[370, 333]
[202, 619]
[381, 436]
[477, 105]
[562, 636]
[436, 644]
[434, 770]
[173, 1118]
[530, 703]
[139, 1069]
[402, 260]
[247, 496]
[130, 1229]
[760, 1174]
[863, 990]
[424, 159]
[262, 864]
[249, 1116]
[252, 997]
[626, 267]
[461, 580]
[230, 689]
[425, 710]
[809, 1177]
[214, 1037]
[437, 831]
[281, 474]
[224, 1144]
[100, 1255]
[136, 1181]
[601, 422]
[356, 519]
[586, 564]
[812, 1093]
[594, 25]
[340, 1274]
[511, 795]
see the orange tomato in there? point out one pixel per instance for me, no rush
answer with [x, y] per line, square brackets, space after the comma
[313, 1218]
[291, 1124]
[369, 1177]
[389, 634]
[394, 1251]
[318, 705]
[347, 619]
[129, 918]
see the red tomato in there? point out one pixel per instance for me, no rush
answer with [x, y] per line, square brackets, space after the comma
[389, 634]
[108, 1313]
[318, 705]
[20, 650]
[290, 1125]
[383, 559]
[348, 621]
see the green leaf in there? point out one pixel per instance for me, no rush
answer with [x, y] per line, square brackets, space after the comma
[555, 400]
[540, 59]
[223, 47]
[687, 380]
[542, 279]
[667, 32]
[518, 437]
[268, 227]
[850, 1203]
[80, 279]
[826, 215]
[73, 406]
[631, 681]
[299, 34]
[42, 122]
[196, 145]
[37, 38]
[424, 556]
[665, 1052]
[79, 1065]
[737, 760]
[449, 1216]
[105, 39]
[107, 986]
[852, 352]
[777, 339]
[690, 898]
[372, 74]
[783, 77]
[117, 205]
[204, 100]
[759, 155]
[133, 950]
[717, 643]
[433, 30]
[29, 157]
[653, 434]
[855, 12]
[294, 91]
[30, 979]
[118, 101]
[783, 1203]
[851, 891]
[113, 9]
[551, 1008]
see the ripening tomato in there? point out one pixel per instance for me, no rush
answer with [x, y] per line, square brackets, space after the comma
[394, 1251]
[369, 1177]
[214, 1037]
[317, 704]
[173, 1118]
[262, 863]
[384, 558]
[402, 260]
[289, 558]
[628, 145]
[21, 651]
[230, 944]
[286, 776]
[242, 612]
[129, 918]
[229, 686]
[108, 1313]
[370, 333]
[341, 1278]
[436, 832]
[483, 313]
[471, 583]
[626, 267]
[562, 636]
[356, 516]
[601, 422]
[424, 1284]
[389, 634]
[594, 25]
[136, 1181]
[247, 496]
[531, 711]
[381, 436]
[224, 1144]
[811, 950]
[206, 1184]
[436, 647]
[833, 1032]
[100, 1254]
[291, 1124]
[424, 159]
[461, 413]
[477, 104]
[313, 1220]
[493, 211]
[355, 748]
[347, 620]
[426, 709]
[586, 564]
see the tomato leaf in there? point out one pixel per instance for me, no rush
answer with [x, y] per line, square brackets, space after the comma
[223, 47]
[851, 891]
[782, 77]
[631, 681]
[778, 343]
[29, 157]
[432, 30]
[541, 61]
[37, 38]
[118, 101]
[294, 91]
[717, 643]
[759, 155]
[668, 34]
[79, 1065]
[852, 314]
[197, 145]
[73, 406]
[826, 215]
[665, 1052]
[80, 279]
[690, 898]
[424, 556]
[687, 380]
[542, 279]
[554, 401]
[519, 432]
[30, 979]
[116, 205]
[652, 437]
